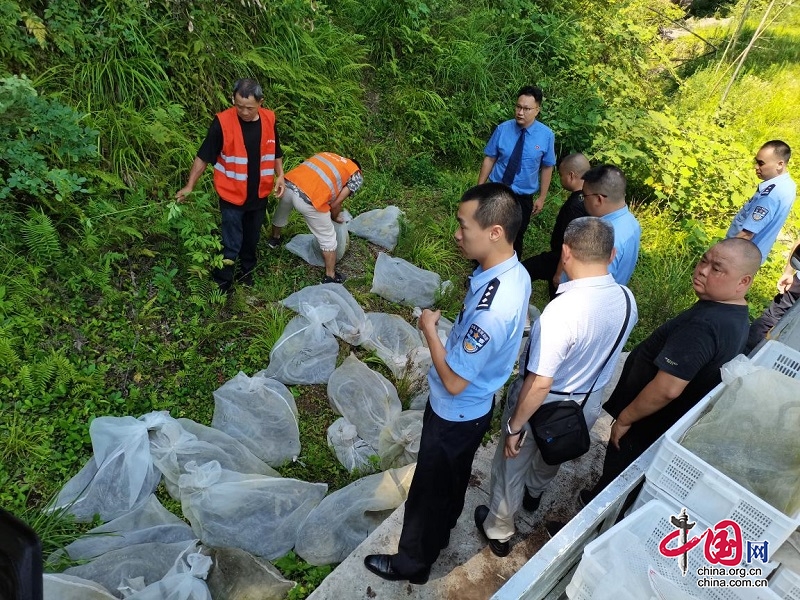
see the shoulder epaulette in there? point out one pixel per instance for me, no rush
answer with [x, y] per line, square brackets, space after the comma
[488, 294]
[767, 190]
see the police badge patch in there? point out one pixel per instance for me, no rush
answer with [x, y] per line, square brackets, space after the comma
[475, 339]
[760, 212]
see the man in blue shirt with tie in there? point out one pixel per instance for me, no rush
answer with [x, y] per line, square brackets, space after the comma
[521, 154]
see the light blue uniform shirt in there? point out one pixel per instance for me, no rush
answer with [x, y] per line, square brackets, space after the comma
[764, 214]
[539, 151]
[627, 235]
[483, 345]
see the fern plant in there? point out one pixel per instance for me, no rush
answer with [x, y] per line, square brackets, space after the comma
[41, 237]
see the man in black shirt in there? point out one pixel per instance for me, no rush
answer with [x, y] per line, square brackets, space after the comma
[670, 371]
[547, 265]
[243, 145]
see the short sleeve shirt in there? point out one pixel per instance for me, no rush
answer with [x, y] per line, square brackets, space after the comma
[692, 346]
[538, 151]
[765, 213]
[575, 333]
[627, 236]
[484, 342]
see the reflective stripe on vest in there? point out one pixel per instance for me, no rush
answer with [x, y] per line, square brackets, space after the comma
[230, 170]
[322, 177]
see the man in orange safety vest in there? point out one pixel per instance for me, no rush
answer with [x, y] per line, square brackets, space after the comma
[316, 189]
[242, 144]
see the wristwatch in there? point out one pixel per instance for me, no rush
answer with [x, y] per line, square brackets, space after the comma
[508, 429]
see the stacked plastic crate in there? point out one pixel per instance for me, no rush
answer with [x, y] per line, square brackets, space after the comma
[677, 479]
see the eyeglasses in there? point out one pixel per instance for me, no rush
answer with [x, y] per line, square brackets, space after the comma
[585, 196]
[525, 109]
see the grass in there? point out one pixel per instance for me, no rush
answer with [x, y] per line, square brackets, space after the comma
[771, 74]
[661, 282]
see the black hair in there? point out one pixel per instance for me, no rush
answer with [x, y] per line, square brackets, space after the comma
[496, 206]
[780, 148]
[531, 90]
[590, 239]
[248, 87]
[607, 180]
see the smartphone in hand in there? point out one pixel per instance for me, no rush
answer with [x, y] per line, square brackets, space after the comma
[521, 439]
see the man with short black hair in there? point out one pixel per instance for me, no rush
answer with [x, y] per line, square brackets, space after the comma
[243, 144]
[670, 371]
[604, 197]
[474, 363]
[547, 265]
[761, 218]
[570, 354]
[521, 154]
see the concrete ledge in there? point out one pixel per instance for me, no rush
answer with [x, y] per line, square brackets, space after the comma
[467, 569]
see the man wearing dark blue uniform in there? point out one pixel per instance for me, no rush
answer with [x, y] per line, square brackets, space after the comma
[475, 362]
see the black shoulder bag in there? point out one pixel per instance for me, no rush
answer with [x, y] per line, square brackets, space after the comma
[559, 428]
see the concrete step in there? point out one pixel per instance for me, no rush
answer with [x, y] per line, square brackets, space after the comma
[467, 569]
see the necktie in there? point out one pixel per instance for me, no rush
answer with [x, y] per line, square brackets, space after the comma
[515, 161]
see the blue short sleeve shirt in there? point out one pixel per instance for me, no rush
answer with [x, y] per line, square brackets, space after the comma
[627, 236]
[539, 151]
[764, 214]
[483, 345]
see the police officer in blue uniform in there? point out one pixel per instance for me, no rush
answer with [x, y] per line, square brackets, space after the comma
[761, 218]
[475, 362]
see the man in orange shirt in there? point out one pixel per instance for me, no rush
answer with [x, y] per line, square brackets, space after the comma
[243, 145]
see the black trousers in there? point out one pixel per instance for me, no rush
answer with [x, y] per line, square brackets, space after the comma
[241, 231]
[773, 313]
[631, 446]
[543, 267]
[436, 497]
[525, 202]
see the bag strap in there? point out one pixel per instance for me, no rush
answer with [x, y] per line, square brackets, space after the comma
[614, 349]
[608, 358]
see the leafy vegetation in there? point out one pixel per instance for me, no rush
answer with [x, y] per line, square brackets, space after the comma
[106, 305]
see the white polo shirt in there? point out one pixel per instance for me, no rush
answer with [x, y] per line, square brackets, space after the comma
[575, 334]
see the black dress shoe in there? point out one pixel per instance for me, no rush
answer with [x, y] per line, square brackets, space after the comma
[585, 496]
[246, 279]
[530, 503]
[381, 565]
[553, 527]
[445, 541]
[499, 548]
